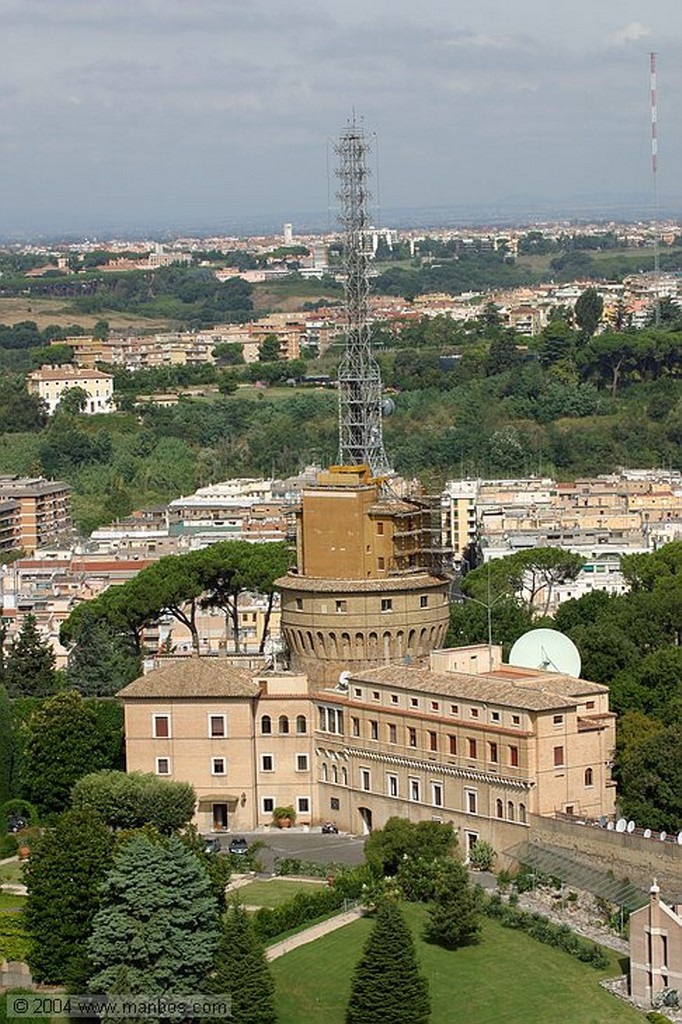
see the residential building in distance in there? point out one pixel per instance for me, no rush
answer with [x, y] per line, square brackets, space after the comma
[655, 948]
[35, 512]
[51, 382]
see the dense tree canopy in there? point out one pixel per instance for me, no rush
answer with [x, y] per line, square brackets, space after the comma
[135, 799]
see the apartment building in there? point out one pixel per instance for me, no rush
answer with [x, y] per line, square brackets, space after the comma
[35, 512]
[50, 383]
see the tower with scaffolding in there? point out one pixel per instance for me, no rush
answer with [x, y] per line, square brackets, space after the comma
[370, 586]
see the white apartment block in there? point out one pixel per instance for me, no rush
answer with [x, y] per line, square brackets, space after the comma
[50, 383]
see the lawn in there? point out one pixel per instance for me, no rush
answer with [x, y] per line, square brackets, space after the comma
[272, 894]
[507, 978]
[11, 873]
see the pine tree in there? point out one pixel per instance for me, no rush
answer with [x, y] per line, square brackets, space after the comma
[387, 985]
[64, 874]
[29, 663]
[454, 915]
[242, 971]
[102, 661]
[157, 927]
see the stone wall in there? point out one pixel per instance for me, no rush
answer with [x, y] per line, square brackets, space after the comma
[15, 974]
[627, 856]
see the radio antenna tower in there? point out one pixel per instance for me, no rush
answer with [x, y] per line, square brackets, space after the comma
[359, 379]
[654, 177]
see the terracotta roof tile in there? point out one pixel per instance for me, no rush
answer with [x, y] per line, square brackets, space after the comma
[193, 677]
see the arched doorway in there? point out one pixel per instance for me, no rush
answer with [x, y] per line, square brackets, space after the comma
[366, 816]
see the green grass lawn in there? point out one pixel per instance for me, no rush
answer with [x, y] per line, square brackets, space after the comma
[507, 978]
[272, 894]
[11, 873]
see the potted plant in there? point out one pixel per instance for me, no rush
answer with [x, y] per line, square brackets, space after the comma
[284, 817]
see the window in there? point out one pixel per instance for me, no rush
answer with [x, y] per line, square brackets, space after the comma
[472, 839]
[510, 810]
[452, 744]
[435, 706]
[387, 604]
[473, 712]
[380, 528]
[415, 790]
[355, 726]
[412, 737]
[392, 785]
[218, 766]
[522, 813]
[376, 695]
[344, 776]
[454, 709]
[283, 725]
[299, 604]
[266, 725]
[341, 606]
[335, 803]
[373, 729]
[473, 748]
[365, 779]
[514, 757]
[301, 762]
[516, 719]
[217, 728]
[303, 805]
[268, 804]
[301, 725]
[471, 802]
[163, 766]
[161, 726]
[392, 734]
[267, 763]
[499, 809]
[357, 692]
[493, 752]
[394, 698]
[424, 601]
[558, 757]
[589, 777]
[589, 705]
[381, 562]
[437, 794]
[414, 702]
[325, 773]
[494, 716]
[558, 720]
[433, 741]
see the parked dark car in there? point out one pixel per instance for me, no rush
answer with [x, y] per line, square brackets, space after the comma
[329, 828]
[212, 846]
[238, 845]
[15, 823]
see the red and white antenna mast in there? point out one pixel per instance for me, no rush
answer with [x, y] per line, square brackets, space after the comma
[654, 178]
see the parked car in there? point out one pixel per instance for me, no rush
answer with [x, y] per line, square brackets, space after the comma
[212, 845]
[15, 823]
[238, 845]
[329, 828]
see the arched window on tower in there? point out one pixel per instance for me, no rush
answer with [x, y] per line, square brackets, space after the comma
[266, 725]
[283, 724]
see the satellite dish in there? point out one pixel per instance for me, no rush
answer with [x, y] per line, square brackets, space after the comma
[621, 825]
[603, 821]
[630, 827]
[546, 649]
[647, 833]
[679, 838]
[343, 680]
[387, 407]
[610, 826]
[663, 836]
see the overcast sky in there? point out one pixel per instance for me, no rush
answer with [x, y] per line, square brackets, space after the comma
[186, 113]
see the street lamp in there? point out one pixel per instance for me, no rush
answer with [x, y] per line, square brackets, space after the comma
[488, 605]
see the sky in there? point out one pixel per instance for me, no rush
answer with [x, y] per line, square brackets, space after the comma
[180, 115]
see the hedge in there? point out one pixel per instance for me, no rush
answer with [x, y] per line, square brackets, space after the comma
[540, 928]
[14, 942]
[306, 907]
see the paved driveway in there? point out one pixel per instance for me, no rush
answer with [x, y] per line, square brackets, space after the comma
[304, 845]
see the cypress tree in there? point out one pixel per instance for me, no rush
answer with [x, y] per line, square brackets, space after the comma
[387, 985]
[242, 971]
[454, 916]
[29, 663]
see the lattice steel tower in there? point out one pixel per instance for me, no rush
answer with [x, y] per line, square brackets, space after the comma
[359, 380]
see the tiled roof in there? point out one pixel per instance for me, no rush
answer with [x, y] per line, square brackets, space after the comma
[532, 692]
[193, 677]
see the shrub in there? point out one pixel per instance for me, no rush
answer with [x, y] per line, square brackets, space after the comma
[9, 845]
[482, 856]
[306, 907]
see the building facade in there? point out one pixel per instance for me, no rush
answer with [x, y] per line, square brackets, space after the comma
[655, 948]
[50, 383]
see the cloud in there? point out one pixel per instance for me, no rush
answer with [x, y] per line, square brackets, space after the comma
[629, 33]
